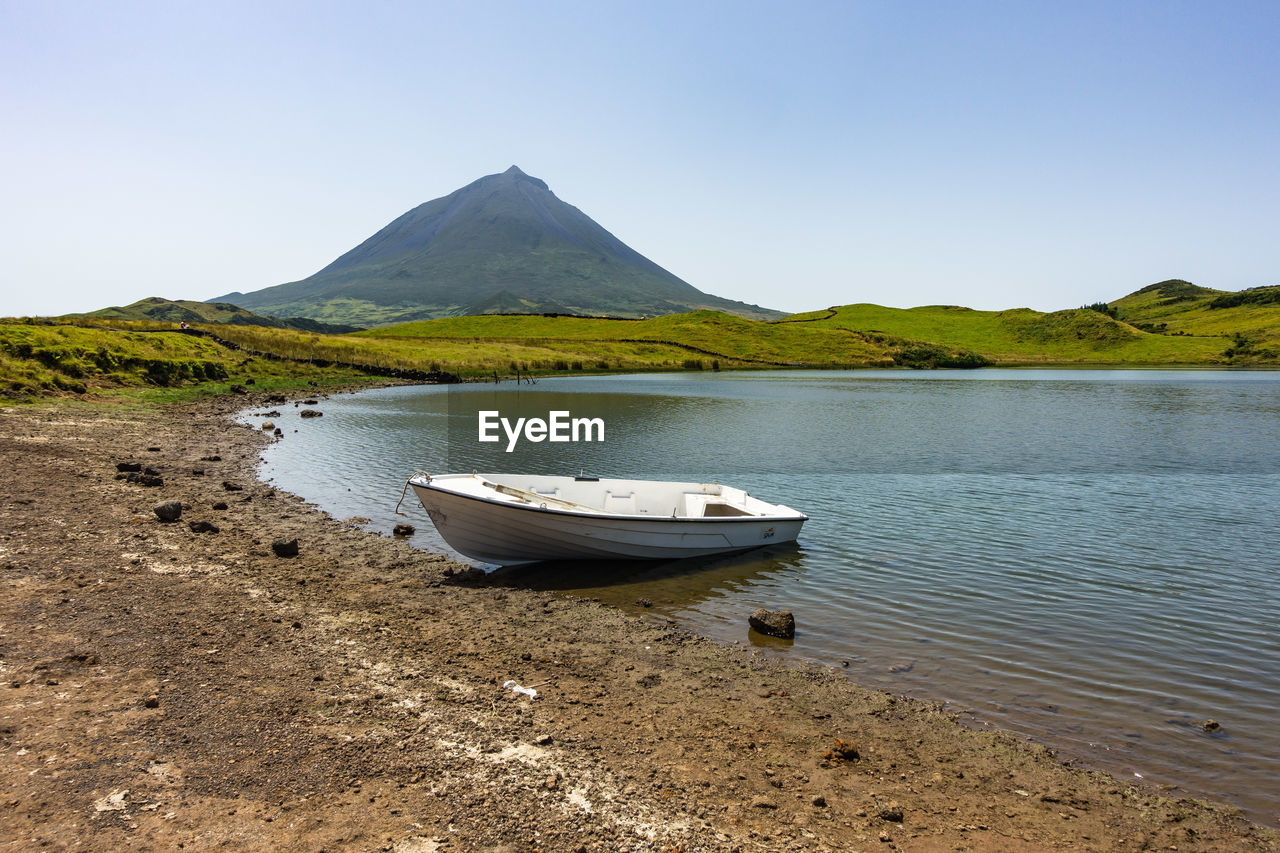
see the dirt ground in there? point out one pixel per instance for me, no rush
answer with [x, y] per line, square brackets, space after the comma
[162, 689]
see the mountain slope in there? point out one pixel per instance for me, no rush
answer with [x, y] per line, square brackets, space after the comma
[188, 311]
[504, 242]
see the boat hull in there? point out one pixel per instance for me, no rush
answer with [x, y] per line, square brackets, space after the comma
[512, 534]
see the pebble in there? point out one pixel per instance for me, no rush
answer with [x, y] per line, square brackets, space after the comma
[168, 510]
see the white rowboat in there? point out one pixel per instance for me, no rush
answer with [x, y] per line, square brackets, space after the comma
[509, 519]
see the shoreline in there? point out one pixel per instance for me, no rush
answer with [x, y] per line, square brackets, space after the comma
[160, 686]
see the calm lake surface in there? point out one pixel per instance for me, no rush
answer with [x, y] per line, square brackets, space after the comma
[1085, 557]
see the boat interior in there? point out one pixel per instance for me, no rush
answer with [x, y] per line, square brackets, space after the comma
[615, 497]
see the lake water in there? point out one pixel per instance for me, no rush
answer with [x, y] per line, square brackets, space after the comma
[1085, 557]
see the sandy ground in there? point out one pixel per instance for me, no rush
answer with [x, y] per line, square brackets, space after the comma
[164, 689]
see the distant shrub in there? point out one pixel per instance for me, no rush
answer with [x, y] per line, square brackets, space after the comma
[1254, 296]
[1101, 308]
[931, 357]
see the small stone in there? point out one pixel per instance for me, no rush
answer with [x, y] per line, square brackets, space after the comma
[168, 510]
[231, 487]
[268, 426]
[841, 750]
[763, 802]
[211, 458]
[152, 701]
[285, 547]
[403, 530]
[203, 527]
[1211, 725]
[220, 505]
[819, 801]
[643, 602]
[239, 389]
[775, 623]
[311, 413]
[125, 467]
[197, 472]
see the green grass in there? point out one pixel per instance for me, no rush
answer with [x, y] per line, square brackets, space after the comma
[1168, 323]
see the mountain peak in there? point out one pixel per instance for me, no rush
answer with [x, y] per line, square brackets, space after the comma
[504, 242]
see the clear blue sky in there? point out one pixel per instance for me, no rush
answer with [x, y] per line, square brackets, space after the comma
[796, 155]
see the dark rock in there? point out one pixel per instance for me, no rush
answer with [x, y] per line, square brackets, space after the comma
[202, 527]
[151, 472]
[402, 530]
[763, 803]
[311, 413]
[643, 602]
[891, 812]
[211, 458]
[239, 389]
[152, 701]
[128, 466]
[1211, 725]
[650, 680]
[285, 547]
[279, 433]
[276, 398]
[231, 487]
[775, 623]
[220, 505]
[819, 801]
[197, 472]
[155, 449]
[144, 479]
[251, 381]
[168, 510]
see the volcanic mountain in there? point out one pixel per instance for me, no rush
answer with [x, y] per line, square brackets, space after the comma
[502, 244]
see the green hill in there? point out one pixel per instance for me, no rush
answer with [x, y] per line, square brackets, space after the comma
[1024, 336]
[187, 311]
[1248, 319]
[503, 244]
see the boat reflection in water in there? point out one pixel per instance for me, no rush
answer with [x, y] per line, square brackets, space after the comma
[667, 586]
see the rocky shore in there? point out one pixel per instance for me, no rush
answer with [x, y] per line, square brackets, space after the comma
[184, 684]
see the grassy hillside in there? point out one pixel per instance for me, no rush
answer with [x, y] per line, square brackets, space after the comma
[1248, 319]
[1023, 336]
[148, 360]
